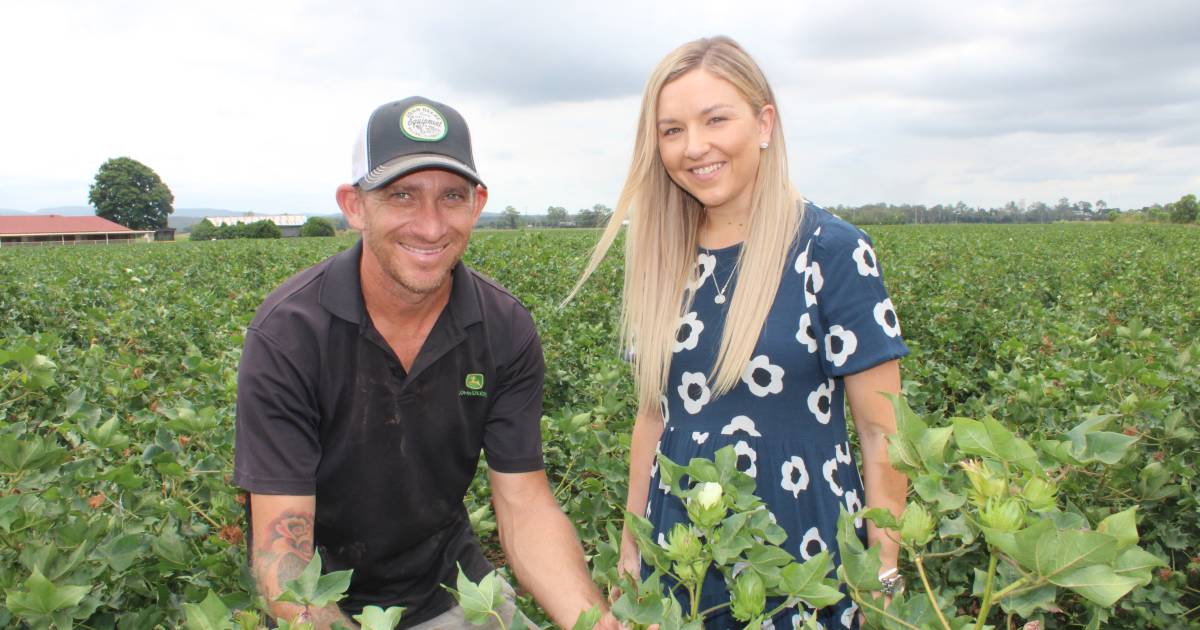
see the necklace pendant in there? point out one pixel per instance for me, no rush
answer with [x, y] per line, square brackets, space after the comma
[720, 299]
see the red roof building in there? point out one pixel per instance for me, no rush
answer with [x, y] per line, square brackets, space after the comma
[46, 229]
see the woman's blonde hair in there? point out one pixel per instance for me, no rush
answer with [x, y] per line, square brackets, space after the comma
[664, 224]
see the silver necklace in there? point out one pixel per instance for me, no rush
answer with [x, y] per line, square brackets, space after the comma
[720, 297]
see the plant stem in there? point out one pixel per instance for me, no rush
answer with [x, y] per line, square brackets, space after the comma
[929, 591]
[1008, 589]
[708, 611]
[562, 484]
[890, 616]
[986, 606]
[199, 510]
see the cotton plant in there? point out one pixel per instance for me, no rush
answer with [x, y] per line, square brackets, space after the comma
[982, 493]
[730, 532]
[310, 589]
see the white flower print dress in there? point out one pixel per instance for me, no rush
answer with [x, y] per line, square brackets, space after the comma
[785, 419]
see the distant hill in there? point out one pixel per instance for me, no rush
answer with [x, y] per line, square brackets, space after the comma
[67, 211]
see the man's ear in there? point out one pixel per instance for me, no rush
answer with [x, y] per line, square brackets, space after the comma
[481, 196]
[350, 200]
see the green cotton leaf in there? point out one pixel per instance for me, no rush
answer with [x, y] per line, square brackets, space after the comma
[807, 581]
[641, 603]
[1059, 451]
[725, 460]
[587, 620]
[1122, 526]
[652, 553]
[107, 436]
[1098, 583]
[1022, 545]
[1137, 563]
[700, 470]
[311, 588]
[762, 556]
[210, 614]
[991, 439]
[932, 446]
[1065, 551]
[170, 547]
[670, 473]
[881, 517]
[1107, 447]
[331, 588]
[376, 618]
[120, 553]
[931, 489]
[728, 547]
[43, 597]
[859, 565]
[1026, 602]
[957, 527]
[9, 510]
[478, 601]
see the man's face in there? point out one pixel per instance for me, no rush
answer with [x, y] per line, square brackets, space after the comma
[415, 229]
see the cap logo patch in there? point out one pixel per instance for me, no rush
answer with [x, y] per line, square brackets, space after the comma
[423, 123]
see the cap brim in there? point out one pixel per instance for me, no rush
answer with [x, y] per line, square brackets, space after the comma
[388, 171]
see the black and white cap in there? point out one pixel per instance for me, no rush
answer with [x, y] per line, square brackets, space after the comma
[414, 134]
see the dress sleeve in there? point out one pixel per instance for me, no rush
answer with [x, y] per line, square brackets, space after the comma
[856, 323]
[512, 435]
[277, 447]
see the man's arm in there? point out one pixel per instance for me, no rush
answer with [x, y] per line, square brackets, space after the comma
[283, 546]
[542, 546]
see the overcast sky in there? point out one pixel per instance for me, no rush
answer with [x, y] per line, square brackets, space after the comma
[254, 105]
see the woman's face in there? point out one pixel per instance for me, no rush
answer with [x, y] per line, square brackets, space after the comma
[709, 140]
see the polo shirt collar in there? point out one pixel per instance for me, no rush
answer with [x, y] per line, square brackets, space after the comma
[341, 291]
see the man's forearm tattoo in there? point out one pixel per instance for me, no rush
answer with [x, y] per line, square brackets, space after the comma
[288, 546]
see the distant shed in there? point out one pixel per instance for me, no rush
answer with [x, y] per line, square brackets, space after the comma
[288, 224]
[53, 229]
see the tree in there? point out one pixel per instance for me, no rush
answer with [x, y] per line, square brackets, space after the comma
[261, 229]
[585, 218]
[602, 213]
[203, 231]
[1185, 210]
[129, 193]
[511, 218]
[316, 226]
[556, 215]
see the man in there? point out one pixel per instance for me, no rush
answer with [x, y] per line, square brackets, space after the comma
[370, 382]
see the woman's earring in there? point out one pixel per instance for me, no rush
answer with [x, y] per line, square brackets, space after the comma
[763, 145]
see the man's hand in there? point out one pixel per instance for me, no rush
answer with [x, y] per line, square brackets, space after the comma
[542, 547]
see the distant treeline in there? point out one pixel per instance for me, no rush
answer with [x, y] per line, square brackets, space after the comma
[1182, 211]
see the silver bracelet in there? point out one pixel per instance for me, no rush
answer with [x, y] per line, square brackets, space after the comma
[892, 582]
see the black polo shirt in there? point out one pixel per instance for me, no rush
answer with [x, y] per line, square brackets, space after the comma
[325, 408]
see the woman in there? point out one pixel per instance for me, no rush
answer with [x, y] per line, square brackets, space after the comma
[755, 315]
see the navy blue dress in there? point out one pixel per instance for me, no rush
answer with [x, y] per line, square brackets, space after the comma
[785, 419]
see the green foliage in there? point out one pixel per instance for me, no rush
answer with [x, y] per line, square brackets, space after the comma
[1186, 210]
[203, 231]
[118, 381]
[312, 589]
[316, 226]
[127, 192]
[730, 532]
[1008, 502]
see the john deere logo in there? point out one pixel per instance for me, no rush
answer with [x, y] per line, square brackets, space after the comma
[423, 123]
[474, 381]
